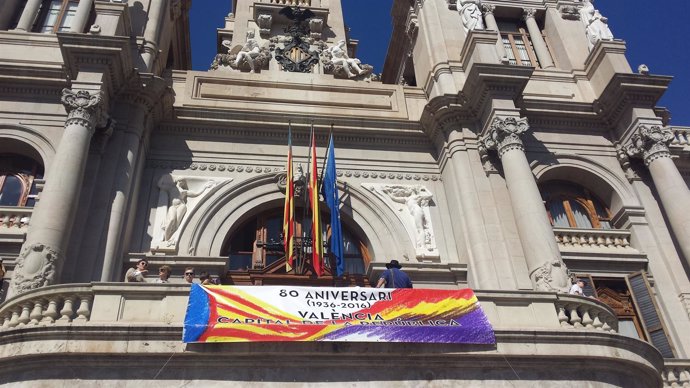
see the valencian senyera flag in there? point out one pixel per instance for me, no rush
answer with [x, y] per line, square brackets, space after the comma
[289, 211]
[316, 232]
[330, 194]
[354, 314]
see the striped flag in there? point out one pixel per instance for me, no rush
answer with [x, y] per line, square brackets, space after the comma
[316, 234]
[289, 211]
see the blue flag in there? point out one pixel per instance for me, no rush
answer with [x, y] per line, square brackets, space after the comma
[330, 194]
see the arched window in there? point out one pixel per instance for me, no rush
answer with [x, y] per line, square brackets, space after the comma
[257, 243]
[17, 180]
[572, 206]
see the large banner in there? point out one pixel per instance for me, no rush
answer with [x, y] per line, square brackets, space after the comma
[276, 313]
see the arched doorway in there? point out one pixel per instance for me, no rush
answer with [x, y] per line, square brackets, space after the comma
[256, 255]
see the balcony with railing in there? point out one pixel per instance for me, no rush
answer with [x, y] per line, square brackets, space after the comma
[14, 223]
[107, 327]
[609, 240]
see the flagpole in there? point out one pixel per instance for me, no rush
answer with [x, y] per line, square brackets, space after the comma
[306, 195]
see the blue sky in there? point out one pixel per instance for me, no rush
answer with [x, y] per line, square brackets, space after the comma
[660, 39]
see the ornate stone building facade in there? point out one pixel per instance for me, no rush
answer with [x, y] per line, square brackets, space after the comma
[507, 146]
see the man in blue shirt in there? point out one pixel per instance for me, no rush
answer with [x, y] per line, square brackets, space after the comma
[394, 277]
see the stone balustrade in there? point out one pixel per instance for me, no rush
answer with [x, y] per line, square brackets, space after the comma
[49, 305]
[15, 217]
[292, 2]
[576, 312]
[682, 136]
[572, 238]
[676, 373]
[106, 325]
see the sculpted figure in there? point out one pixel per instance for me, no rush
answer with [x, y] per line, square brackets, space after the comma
[178, 208]
[339, 57]
[249, 52]
[471, 15]
[415, 198]
[596, 25]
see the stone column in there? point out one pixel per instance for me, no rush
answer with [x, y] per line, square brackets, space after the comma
[546, 268]
[151, 35]
[42, 256]
[537, 39]
[28, 17]
[7, 11]
[81, 16]
[491, 24]
[651, 144]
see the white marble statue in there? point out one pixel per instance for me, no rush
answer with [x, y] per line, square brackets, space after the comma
[412, 203]
[249, 52]
[339, 57]
[596, 25]
[471, 15]
[178, 207]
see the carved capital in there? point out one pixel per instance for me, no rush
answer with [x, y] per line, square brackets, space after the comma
[83, 108]
[650, 143]
[488, 9]
[504, 134]
[37, 266]
[528, 13]
[551, 276]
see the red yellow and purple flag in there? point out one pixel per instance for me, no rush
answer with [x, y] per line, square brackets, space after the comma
[289, 211]
[317, 233]
[353, 314]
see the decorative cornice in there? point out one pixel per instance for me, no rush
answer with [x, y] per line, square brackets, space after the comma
[248, 169]
[504, 134]
[650, 143]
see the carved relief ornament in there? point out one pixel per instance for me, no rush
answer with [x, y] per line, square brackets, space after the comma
[83, 108]
[37, 266]
[504, 134]
[650, 143]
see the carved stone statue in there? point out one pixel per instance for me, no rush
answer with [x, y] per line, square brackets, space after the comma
[415, 200]
[178, 207]
[596, 25]
[336, 61]
[471, 15]
[250, 57]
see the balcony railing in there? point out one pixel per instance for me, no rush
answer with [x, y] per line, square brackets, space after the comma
[569, 238]
[676, 373]
[682, 136]
[292, 2]
[15, 217]
[148, 319]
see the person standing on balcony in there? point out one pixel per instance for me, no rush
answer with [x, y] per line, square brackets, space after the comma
[138, 273]
[394, 277]
[189, 275]
[164, 274]
[578, 288]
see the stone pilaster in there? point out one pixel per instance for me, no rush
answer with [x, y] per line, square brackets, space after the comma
[537, 39]
[650, 142]
[40, 261]
[546, 268]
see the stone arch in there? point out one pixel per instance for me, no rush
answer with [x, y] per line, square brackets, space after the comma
[20, 139]
[219, 214]
[609, 186]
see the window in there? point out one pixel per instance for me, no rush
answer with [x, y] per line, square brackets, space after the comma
[632, 300]
[572, 206]
[56, 16]
[517, 43]
[17, 180]
[257, 244]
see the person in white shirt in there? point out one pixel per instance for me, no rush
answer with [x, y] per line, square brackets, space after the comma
[138, 273]
[164, 274]
[578, 288]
